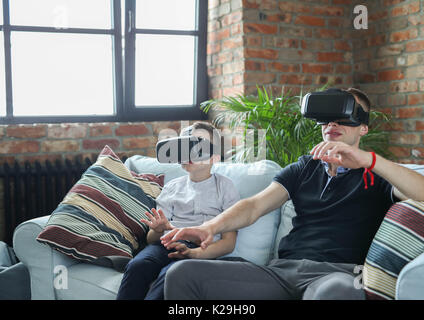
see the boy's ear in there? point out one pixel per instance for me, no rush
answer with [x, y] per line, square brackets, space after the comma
[216, 158]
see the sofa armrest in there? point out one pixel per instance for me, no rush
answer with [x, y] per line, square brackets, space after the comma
[410, 283]
[40, 259]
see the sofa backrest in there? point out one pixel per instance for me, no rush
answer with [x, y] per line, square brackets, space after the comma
[254, 243]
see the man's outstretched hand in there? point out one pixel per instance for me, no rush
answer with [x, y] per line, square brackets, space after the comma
[200, 235]
[342, 154]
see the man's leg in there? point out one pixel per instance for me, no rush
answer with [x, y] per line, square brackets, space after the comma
[334, 286]
[222, 280]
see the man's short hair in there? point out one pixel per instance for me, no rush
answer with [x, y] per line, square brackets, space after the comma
[363, 99]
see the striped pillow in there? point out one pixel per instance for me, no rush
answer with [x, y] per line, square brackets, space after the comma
[398, 241]
[100, 215]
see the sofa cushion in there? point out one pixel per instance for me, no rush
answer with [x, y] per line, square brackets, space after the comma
[148, 164]
[254, 243]
[100, 215]
[399, 240]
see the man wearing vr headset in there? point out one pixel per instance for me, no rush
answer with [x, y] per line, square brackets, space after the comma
[340, 193]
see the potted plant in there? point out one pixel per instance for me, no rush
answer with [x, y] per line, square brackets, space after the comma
[287, 134]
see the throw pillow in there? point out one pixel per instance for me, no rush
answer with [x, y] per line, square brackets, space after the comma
[100, 216]
[398, 241]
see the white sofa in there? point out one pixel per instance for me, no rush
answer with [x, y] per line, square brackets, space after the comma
[257, 243]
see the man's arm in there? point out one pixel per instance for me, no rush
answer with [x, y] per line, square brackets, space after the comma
[407, 183]
[245, 212]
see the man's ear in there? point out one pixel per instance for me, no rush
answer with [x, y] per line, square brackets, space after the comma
[364, 130]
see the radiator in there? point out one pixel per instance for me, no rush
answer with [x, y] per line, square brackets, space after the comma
[33, 189]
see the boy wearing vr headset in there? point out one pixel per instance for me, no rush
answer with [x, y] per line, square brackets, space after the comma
[186, 201]
[338, 213]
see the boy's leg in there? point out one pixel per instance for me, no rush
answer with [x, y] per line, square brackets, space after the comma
[141, 271]
[157, 288]
[222, 280]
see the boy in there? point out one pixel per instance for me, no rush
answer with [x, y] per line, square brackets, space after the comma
[189, 200]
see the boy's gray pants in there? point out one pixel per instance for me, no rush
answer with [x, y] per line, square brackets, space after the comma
[282, 279]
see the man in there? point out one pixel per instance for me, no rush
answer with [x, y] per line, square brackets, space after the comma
[339, 209]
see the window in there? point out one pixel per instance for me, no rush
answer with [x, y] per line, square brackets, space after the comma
[63, 60]
[2, 66]
[165, 58]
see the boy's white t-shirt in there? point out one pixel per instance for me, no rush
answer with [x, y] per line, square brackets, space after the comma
[186, 203]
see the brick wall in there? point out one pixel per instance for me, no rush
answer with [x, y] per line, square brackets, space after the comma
[66, 141]
[297, 44]
[389, 65]
[304, 44]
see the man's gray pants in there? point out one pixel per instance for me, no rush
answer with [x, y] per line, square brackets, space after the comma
[282, 279]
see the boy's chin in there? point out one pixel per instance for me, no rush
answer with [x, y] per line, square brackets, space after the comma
[193, 166]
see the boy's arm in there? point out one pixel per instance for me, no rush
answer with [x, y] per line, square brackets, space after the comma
[157, 223]
[219, 248]
[153, 236]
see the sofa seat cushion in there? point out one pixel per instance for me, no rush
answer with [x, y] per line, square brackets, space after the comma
[398, 241]
[100, 215]
[87, 282]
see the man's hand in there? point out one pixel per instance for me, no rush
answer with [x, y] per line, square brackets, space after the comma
[200, 235]
[342, 154]
[157, 222]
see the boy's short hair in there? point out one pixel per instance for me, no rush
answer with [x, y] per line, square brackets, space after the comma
[214, 135]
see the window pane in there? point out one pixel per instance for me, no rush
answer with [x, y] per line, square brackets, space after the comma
[166, 14]
[2, 79]
[164, 70]
[61, 74]
[61, 13]
[1, 12]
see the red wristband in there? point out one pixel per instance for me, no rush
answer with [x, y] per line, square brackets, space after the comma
[368, 170]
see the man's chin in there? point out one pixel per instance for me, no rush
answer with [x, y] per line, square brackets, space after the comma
[333, 138]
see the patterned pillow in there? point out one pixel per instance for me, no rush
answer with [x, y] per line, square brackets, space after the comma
[100, 215]
[398, 241]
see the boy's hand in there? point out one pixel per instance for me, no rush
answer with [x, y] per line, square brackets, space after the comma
[200, 235]
[157, 221]
[182, 251]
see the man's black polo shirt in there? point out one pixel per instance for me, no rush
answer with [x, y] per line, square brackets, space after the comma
[336, 219]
